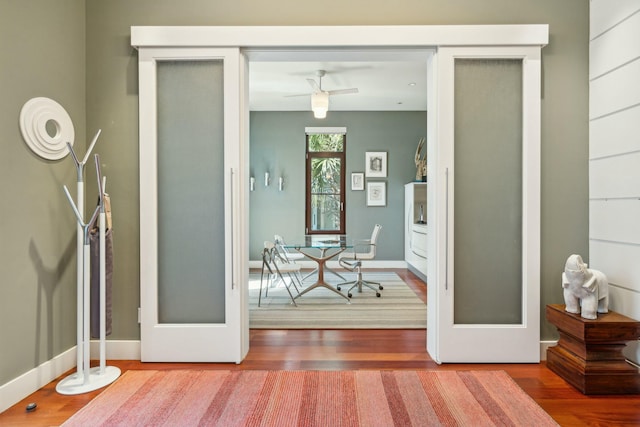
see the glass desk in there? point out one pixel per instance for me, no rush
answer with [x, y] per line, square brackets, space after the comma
[320, 248]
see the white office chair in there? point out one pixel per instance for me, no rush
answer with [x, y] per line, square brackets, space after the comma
[280, 244]
[276, 266]
[353, 261]
[290, 256]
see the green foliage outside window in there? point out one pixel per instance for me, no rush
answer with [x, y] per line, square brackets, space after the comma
[326, 180]
[325, 142]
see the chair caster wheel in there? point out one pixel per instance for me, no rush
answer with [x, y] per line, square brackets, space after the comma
[338, 287]
[349, 295]
[378, 294]
[380, 287]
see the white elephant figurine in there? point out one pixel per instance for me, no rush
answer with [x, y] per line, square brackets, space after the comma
[586, 291]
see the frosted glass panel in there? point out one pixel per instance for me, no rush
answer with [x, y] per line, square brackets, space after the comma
[488, 192]
[191, 227]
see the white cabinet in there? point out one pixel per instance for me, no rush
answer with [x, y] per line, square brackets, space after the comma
[415, 227]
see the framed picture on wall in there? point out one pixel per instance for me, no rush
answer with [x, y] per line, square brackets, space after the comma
[376, 193]
[376, 164]
[357, 181]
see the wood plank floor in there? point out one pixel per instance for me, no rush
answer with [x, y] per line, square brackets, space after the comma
[358, 349]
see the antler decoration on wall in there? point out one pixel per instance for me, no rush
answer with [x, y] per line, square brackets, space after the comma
[421, 161]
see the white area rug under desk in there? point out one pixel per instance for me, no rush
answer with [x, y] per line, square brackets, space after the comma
[398, 307]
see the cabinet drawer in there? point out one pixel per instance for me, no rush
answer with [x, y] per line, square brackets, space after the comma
[419, 241]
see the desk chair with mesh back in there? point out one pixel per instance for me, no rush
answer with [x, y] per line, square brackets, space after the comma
[353, 261]
[276, 266]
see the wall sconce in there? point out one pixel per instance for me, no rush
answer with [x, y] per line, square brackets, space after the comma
[252, 184]
[280, 183]
[266, 179]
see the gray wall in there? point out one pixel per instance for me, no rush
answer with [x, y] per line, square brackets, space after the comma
[278, 144]
[112, 105]
[56, 68]
[42, 46]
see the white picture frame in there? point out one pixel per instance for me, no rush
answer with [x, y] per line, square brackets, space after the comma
[357, 181]
[376, 193]
[376, 164]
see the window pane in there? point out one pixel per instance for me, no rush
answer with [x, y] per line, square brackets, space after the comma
[325, 175]
[325, 193]
[325, 212]
[326, 142]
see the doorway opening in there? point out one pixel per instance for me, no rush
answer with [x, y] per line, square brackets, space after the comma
[389, 82]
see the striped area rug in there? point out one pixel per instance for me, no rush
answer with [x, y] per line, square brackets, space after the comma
[312, 398]
[397, 308]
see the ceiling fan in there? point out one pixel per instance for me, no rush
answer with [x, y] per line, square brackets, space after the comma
[320, 97]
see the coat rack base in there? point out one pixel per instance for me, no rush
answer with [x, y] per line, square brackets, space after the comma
[589, 353]
[75, 383]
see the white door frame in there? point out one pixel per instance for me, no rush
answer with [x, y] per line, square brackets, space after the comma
[340, 38]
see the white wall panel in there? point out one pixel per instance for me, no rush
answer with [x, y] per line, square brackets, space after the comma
[615, 91]
[613, 177]
[618, 261]
[615, 220]
[615, 134]
[615, 47]
[614, 112]
[625, 302]
[606, 13]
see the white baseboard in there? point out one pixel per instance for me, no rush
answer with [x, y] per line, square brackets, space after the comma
[632, 352]
[29, 382]
[22, 386]
[117, 350]
[544, 346]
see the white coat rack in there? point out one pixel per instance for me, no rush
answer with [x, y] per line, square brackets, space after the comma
[87, 379]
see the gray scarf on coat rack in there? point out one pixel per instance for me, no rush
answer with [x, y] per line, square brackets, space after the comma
[94, 239]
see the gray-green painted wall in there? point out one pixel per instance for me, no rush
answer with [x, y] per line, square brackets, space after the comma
[44, 54]
[278, 145]
[42, 45]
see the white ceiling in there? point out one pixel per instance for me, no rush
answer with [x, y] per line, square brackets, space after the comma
[392, 84]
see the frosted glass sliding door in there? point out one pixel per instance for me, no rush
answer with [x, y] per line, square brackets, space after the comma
[488, 191]
[487, 279]
[190, 157]
[191, 227]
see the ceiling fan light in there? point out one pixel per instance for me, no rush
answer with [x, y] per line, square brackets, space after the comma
[320, 104]
[320, 113]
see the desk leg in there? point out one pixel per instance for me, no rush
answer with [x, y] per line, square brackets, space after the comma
[321, 260]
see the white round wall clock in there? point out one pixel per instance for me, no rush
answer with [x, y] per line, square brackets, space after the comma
[46, 128]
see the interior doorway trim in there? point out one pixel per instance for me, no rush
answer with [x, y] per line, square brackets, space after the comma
[254, 41]
[340, 36]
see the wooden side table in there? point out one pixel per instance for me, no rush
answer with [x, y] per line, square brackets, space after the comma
[589, 352]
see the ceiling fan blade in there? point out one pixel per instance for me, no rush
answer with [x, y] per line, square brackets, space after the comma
[297, 94]
[343, 91]
[314, 85]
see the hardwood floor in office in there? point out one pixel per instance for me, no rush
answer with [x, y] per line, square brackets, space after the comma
[358, 349]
